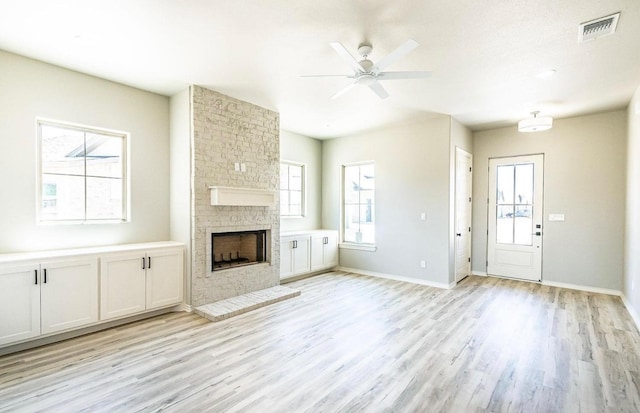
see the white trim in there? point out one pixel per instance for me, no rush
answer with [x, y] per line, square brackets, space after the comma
[359, 247]
[303, 207]
[479, 273]
[582, 288]
[398, 278]
[125, 179]
[632, 311]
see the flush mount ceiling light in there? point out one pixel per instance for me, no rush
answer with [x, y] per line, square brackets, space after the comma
[535, 124]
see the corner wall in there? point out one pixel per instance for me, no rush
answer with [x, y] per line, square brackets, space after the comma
[412, 176]
[302, 149]
[33, 89]
[584, 178]
[632, 229]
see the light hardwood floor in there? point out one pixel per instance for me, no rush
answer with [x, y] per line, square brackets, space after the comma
[351, 343]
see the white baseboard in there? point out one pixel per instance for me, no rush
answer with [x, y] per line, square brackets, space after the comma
[582, 288]
[398, 278]
[479, 273]
[632, 311]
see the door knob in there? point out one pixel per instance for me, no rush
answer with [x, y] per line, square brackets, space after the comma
[458, 234]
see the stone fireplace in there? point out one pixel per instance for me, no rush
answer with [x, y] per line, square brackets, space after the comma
[235, 144]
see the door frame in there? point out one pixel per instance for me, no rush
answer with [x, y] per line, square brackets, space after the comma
[461, 152]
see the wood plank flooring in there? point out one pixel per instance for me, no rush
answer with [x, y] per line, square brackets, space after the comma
[351, 343]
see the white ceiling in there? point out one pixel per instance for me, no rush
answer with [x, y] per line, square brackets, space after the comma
[484, 55]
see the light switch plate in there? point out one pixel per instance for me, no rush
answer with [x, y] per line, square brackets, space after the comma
[556, 217]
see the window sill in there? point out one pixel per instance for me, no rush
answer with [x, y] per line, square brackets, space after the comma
[359, 247]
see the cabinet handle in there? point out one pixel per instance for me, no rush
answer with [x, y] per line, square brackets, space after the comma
[295, 244]
[149, 265]
[144, 264]
[36, 271]
[45, 275]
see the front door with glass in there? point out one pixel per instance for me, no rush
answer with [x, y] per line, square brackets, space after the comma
[515, 217]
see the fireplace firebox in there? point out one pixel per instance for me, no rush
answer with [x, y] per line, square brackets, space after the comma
[237, 249]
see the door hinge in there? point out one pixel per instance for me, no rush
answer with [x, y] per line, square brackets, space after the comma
[469, 199]
[469, 169]
[469, 229]
[469, 259]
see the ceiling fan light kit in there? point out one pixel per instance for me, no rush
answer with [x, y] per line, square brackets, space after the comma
[535, 124]
[367, 73]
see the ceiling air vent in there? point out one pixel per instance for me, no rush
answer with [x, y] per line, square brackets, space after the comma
[598, 27]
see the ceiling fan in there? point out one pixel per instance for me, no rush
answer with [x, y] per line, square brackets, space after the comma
[370, 74]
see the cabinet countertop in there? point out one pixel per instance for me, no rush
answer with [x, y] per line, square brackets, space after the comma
[62, 253]
[305, 232]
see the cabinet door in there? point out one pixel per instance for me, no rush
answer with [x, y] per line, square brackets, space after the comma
[317, 252]
[122, 284]
[301, 255]
[286, 256]
[165, 277]
[69, 293]
[330, 249]
[19, 302]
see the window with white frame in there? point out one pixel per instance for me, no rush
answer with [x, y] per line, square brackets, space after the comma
[358, 203]
[82, 174]
[292, 188]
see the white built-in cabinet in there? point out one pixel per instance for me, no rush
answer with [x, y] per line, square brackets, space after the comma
[305, 252]
[139, 280]
[45, 293]
[295, 255]
[324, 250]
[46, 296]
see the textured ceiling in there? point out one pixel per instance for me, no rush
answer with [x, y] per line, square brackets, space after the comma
[484, 55]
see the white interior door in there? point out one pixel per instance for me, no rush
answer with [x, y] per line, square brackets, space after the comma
[463, 182]
[515, 217]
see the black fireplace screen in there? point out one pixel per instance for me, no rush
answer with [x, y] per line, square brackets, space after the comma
[235, 249]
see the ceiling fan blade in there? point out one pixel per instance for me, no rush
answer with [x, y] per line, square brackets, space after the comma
[345, 90]
[378, 89]
[347, 76]
[397, 54]
[402, 75]
[347, 57]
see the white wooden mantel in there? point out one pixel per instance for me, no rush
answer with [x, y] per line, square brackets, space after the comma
[224, 195]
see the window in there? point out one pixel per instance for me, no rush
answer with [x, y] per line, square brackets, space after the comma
[359, 203]
[82, 174]
[292, 189]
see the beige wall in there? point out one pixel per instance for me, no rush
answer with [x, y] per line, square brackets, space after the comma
[584, 179]
[412, 176]
[632, 230]
[31, 89]
[302, 149]
[180, 182]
